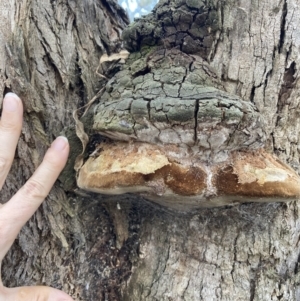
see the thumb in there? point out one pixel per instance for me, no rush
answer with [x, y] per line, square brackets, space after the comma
[33, 293]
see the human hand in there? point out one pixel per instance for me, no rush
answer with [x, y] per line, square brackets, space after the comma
[16, 212]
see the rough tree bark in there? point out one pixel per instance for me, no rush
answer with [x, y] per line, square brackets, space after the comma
[124, 247]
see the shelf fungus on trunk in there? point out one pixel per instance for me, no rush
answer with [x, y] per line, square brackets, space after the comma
[176, 136]
[180, 140]
[184, 182]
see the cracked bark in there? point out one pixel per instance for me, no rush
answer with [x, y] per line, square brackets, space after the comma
[124, 248]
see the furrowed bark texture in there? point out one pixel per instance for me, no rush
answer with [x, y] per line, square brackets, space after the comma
[123, 248]
[50, 53]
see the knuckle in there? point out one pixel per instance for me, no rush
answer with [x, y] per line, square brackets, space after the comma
[41, 296]
[4, 167]
[3, 164]
[34, 189]
[4, 232]
[22, 293]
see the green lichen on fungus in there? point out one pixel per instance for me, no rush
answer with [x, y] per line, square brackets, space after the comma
[168, 97]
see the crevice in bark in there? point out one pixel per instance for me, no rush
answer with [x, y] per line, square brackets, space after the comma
[287, 55]
[286, 87]
[282, 27]
[252, 289]
[296, 270]
[266, 83]
[196, 121]
[6, 90]
[252, 95]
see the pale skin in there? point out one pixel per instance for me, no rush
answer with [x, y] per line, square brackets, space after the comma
[18, 210]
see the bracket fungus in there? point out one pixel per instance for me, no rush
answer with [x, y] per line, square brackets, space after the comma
[175, 135]
[181, 142]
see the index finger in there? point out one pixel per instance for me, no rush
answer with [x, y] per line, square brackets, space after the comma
[10, 129]
[15, 213]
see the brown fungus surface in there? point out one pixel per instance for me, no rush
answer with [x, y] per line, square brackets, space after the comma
[187, 183]
[257, 175]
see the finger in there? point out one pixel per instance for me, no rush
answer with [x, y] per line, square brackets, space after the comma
[15, 213]
[34, 293]
[10, 129]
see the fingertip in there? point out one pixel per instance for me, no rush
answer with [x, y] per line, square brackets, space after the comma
[57, 154]
[60, 143]
[11, 94]
[11, 102]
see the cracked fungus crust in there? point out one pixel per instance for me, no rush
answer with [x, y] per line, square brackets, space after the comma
[179, 139]
[168, 98]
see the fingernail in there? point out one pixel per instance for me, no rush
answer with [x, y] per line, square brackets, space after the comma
[59, 143]
[11, 101]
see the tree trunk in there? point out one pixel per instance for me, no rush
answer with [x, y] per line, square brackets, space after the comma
[98, 247]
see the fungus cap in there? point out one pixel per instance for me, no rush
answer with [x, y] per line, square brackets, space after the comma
[153, 171]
